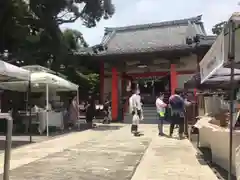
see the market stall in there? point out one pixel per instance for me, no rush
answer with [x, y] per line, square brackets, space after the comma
[219, 79]
[42, 81]
[8, 73]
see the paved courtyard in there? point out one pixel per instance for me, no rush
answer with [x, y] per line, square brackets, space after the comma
[109, 153]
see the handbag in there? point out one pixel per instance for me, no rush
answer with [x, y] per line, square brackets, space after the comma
[135, 119]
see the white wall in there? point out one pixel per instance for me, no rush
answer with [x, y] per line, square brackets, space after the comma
[182, 78]
[107, 87]
[187, 63]
[163, 65]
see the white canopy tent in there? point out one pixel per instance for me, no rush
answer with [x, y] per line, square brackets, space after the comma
[42, 82]
[9, 72]
[38, 83]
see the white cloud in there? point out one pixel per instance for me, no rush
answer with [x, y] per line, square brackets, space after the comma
[130, 12]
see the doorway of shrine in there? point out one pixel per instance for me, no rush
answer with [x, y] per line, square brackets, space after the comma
[151, 86]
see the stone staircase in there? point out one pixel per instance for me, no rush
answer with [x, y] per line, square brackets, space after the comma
[149, 113]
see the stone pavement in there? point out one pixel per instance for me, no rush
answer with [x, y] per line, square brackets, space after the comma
[172, 159]
[103, 154]
[36, 151]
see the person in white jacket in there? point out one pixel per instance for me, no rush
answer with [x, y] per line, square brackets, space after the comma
[135, 108]
[161, 108]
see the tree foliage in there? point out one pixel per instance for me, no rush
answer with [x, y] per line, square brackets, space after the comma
[30, 31]
[74, 39]
[217, 29]
[30, 28]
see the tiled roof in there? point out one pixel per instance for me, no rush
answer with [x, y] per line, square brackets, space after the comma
[152, 37]
[207, 40]
[101, 49]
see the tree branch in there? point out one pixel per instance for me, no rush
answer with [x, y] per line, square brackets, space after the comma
[70, 20]
[64, 14]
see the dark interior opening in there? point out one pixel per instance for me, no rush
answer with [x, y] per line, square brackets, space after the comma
[149, 89]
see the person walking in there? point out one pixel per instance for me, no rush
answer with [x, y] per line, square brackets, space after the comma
[135, 110]
[160, 106]
[90, 108]
[73, 113]
[177, 105]
[107, 110]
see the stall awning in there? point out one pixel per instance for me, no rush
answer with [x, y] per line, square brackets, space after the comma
[194, 82]
[211, 66]
[11, 72]
[38, 83]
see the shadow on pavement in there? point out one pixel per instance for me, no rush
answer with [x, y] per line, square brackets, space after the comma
[15, 144]
[204, 156]
[106, 127]
[145, 121]
[22, 139]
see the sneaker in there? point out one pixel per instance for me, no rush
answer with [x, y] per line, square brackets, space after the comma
[137, 134]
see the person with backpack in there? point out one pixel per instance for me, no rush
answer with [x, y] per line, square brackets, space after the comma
[177, 105]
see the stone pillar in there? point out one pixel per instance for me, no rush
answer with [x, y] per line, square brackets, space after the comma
[173, 78]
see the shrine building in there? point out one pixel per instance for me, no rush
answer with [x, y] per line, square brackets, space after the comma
[159, 57]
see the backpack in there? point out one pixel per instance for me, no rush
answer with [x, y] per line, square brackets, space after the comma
[176, 103]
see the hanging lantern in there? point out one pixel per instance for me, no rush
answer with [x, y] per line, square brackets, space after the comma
[152, 82]
[129, 84]
[138, 90]
[145, 84]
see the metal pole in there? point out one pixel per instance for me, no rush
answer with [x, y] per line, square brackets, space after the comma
[8, 144]
[47, 100]
[231, 55]
[30, 111]
[77, 103]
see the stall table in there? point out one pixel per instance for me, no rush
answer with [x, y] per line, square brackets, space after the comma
[217, 139]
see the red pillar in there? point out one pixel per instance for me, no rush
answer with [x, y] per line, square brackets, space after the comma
[102, 82]
[114, 94]
[173, 78]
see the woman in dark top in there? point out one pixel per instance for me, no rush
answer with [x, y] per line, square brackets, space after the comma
[106, 109]
[90, 110]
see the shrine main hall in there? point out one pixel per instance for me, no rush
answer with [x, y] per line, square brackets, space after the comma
[159, 57]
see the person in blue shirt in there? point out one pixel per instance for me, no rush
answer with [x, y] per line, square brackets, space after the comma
[177, 105]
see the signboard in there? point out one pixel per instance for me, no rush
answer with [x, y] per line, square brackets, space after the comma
[236, 19]
[213, 60]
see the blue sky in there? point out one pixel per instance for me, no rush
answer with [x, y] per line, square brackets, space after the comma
[131, 12]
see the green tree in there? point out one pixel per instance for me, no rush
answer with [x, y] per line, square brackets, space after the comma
[51, 14]
[74, 39]
[30, 29]
[217, 29]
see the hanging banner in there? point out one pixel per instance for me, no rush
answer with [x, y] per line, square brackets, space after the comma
[213, 60]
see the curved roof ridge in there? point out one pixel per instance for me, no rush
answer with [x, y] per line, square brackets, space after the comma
[196, 19]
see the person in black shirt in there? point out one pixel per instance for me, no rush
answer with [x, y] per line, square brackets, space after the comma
[106, 109]
[90, 111]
